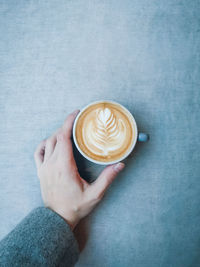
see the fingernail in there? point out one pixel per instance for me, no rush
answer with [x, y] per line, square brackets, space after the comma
[119, 166]
[76, 111]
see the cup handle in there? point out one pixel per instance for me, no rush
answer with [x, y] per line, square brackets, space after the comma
[143, 137]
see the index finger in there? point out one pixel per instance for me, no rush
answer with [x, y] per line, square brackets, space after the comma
[64, 145]
[68, 123]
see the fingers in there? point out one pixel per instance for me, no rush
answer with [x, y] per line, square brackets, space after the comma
[59, 142]
[50, 145]
[106, 177]
[68, 124]
[63, 148]
[39, 153]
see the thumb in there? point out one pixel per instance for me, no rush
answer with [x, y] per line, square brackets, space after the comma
[106, 177]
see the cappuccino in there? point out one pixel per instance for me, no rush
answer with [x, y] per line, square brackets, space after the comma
[105, 132]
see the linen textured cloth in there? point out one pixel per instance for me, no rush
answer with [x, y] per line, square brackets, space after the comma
[60, 55]
[42, 238]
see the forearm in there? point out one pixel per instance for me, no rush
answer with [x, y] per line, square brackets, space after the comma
[43, 238]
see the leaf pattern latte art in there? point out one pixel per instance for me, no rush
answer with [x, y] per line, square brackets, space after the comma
[107, 132]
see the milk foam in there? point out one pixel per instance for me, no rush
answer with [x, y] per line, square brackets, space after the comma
[105, 133]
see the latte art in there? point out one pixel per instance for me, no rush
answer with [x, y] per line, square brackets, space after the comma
[105, 133]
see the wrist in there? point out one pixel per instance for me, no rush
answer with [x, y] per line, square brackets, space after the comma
[71, 222]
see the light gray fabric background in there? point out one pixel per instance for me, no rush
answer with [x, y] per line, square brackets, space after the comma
[56, 56]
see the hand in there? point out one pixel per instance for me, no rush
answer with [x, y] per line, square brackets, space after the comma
[63, 190]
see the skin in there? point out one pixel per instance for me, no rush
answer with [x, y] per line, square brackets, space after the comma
[63, 189]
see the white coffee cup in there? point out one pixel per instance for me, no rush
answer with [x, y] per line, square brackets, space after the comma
[142, 137]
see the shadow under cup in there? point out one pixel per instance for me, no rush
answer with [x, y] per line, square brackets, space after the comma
[142, 137]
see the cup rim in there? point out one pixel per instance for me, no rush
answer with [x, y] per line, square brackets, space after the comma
[102, 162]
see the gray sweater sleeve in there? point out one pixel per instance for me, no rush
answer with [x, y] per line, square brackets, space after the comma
[42, 238]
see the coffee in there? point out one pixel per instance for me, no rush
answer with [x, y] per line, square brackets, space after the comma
[105, 131]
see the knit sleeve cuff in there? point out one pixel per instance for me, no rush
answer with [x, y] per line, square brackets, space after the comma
[42, 238]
